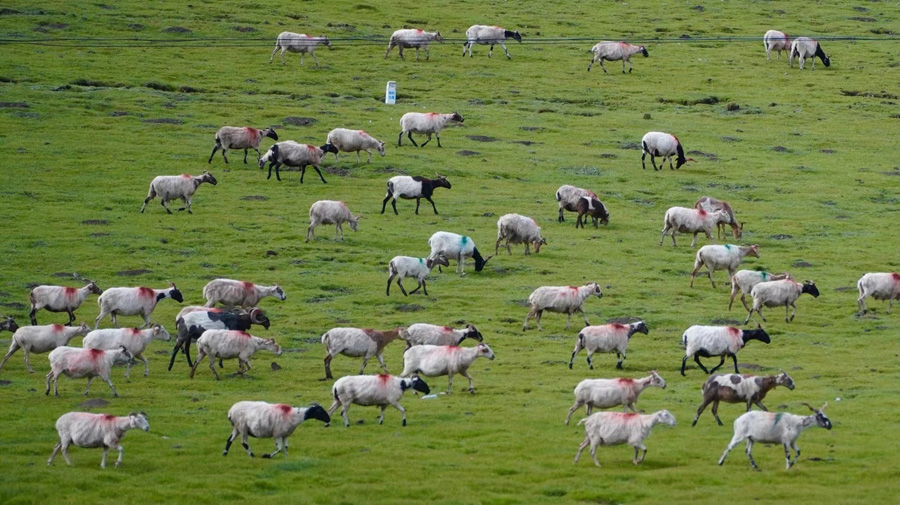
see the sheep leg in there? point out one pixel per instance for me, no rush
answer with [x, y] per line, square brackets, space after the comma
[53, 454]
[590, 362]
[426, 141]
[721, 362]
[623, 71]
[215, 148]
[165, 204]
[449, 382]
[735, 440]
[234, 434]
[49, 375]
[146, 365]
[417, 203]
[750, 453]
[278, 447]
[245, 443]
[793, 446]
[700, 411]
[491, 51]
[424, 290]
[537, 319]
[584, 444]
[601, 66]
[200, 356]
[320, 176]
[314, 58]
[404, 291]
[734, 290]
[683, 362]
[150, 196]
[121, 455]
[758, 404]
[409, 136]
[621, 360]
[733, 358]
[344, 415]
[337, 229]
[438, 135]
[103, 460]
[497, 245]
[430, 200]
[586, 323]
[508, 57]
[146, 321]
[384, 203]
[301, 58]
[245, 156]
[528, 316]
[273, 53]
[695, 238]
[381, 417]
[12, 348]
[364, 363]
[108, 381]
[381, 361]
[794, 313]
[400, 408]
[860, 302]
[578, 347]
[594, 445]
[697, 360]
[578, 404]
[27, 363]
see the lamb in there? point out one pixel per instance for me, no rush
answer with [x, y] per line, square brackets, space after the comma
[359, 343]
[665, 145]
[614, 51]
[354, 140]
[492, 35]
[60, 299]
[458, 247]
[228, 344]
[568, 198]
[425, 123]
[721, 257]
[616, 428]
[191, 326]
[240, 137]
[231, 293]
[519, 229]
[777, 293]
[432, 334]
[593, 208]
[606, 393]
[774, 40]
[401, 267]
[133, 339]
[133, 302]
[710, 204]
[381, 390]
[95, 430]
[79, 363]
[417, 187]
[330, 212]
[435, 360]
[299, 43]
[41, 339]
[880, 286]
[269, 420]
[413, 38]
[744, 280]
[563, 299]
[722, 341]
[293, 154]
[607, 338]
[173, 187]
[735, 388]
[805, 47]
[684, 220]
[774, 428]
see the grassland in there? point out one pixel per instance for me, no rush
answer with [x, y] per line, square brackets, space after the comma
[808, 160]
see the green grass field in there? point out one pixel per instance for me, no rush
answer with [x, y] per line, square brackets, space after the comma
[807, 159]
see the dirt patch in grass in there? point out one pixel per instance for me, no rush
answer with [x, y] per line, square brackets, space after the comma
[176, 29]
[481, 138]
[299, 121]
[731, 139]
[244, 29]
[608, 156]
[707, 100]
[133, 273]
[412, 307]
[8, 12]
[14, 105]
[780, 149]
[532, 128]
[709, 156]
[864, 19]
[255, 197]
[14, 305]
[50, 26]
[99, 222]
[5, 382]
[630, 145]
[338, 171]
[801, 264]
[524, 142]
[466, 152]
[869, 94]
[164, 120]
[780, 236]
[93, 403]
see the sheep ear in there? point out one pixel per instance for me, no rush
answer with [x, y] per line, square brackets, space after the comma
[823, 407]
[811, 407]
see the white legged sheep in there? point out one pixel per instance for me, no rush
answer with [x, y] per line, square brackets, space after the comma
[489, 35]
[231, 293]
[401, 267]
[774, 40]
[722, 341]
[41, 339]
[607, 338]
[614, 51]
[366, 390]
[413, 38]
[192, 324]
[805, 47]
[563, 299]
[432, 334]
[138, 301]
[616, 428]
[269, 420]
[607, 393]
[299, 43]
[425, 123]
[665, 145]
[293, 154]
[354, 140]
[518, 229]
[436, 360]
[88, 430]
[744, 280]
[880, 286]
[684, 220]
[775, 428]
[133, 339]
[593, 208]
[417, 187]
[240, 137]
[230, 344]
[359, 343]
[457, 247]
[60, 299]
[710, 204]
[330, 212]
[79, 363]
[737, 388]
[777, 293]
[721, 257]
[569, 196]
[173, 187]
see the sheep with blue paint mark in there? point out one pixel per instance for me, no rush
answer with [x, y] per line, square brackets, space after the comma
[721, 257]
[402, 267]
[744, 280]
[458, 247]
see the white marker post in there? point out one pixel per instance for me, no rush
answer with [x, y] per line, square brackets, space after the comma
[390, 93]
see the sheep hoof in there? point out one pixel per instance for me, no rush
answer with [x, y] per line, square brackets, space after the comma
[267, 456]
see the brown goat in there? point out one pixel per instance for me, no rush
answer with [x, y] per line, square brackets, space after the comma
[710, 204]
[359, 343]
[593, 208]
[738, 388]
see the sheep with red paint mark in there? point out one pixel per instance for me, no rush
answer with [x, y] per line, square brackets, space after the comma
[737, 388]
[432, 334]
[880, 286]
[489, 35]
[133, 339]
[607, 393]
[371, 390]
[408, 188]
[192, 324]
[614, 51]
[240, 137]
[593, 208]
[231, 293]
[299, 43]
[805, 47]
[425, 123]
[437, 360]
[519, 229]
[269, 420]
[616, 428]
[78, 363]
[347, 141]
[685, 220]
[139, 301]
[722, 341]
[60, 299]
[721, 257]
[174, 187]
[293, 154]
[231, 344]
[775, 40]
[563, 299]
[777, 293]
[359, 343]
[710, 204]
[665, 145]
[413, 38]
[607, 338]
[84, 429]
[402, 267]
[568, 197]
[331, 212]
[458, 247]
[41, 339]
[744, 280]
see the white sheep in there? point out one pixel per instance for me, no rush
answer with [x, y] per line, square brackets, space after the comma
[777, 293]
[231, 293]
[607, 393]
[616, 428]
[489, 35]
[774, 40]
[192, 324]
[436, 360]
[413, 38]
[84, 429]
[60, 299]
[432, 334]
[722, 341]
[269, 420]
[568, 197]
[173, 187]
[299, 43]
[744, 280]
[402, 267]
[880, 286]
[139, 301]
[354, 140]
[359, 343]
[685, 220]
[614, 51]
[293, 154]
[607, 338]
[133, 339]
[805, 47]
[240, 137]
[406, 187]
[563, 299]
[79, 363]
[426, 123]
[41, 339]
[737, 388]
[519, 229]
[458, 247]
[775, 428]
[665, 145]
[710, 204]
[721, 257]
[366, 390]
[592, 207]
[229, 344]
[330, 212]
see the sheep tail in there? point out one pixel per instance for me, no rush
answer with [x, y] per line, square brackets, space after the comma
[583, 420]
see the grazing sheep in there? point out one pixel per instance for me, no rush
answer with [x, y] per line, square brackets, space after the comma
[79, 363]
[710, 204]
[519, 229]
[426, 123]
[774, 40]
[381, 390]
[777, 293]
[359, 343]
[492, 35]
[60, 299]
[607, 338]
[606, 393]
[614, 51]
[299, 43]
[413, 38]
[593, 208]
[568, 198]
[880, 286]
[616, 428]
[458, 247]
[228, 344]
[133, 339]
[684, 220]
[736, 388]
[744, 280]
[354, 140]
[95, 430]
[563, 299]
[432, 334]
[8, 324]
[293, 154]
[240, 137]
[436, 360]
[775, 428]
[173, 187]
[665, 145]
[269, 420]
[805, 47]
[191, 326]
[330, 212]
[231, 293]
[722, 341]
[407, 187]
[721, 257]
[138, 301]
[401, 267]
[41, 339]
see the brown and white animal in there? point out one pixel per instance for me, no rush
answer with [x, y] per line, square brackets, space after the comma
[41, 339]
[425, 123]
[737, 388]
[722, 341]
[805, 47]
[359, 343]
[563, 299]
[84, 429]
[133, 339]
[880, 286]
[774, 40]
[230, 344]
[269, 420]
[607, 393]
[78, 363]
[417, 187]
[139, 301]
[614, 51]
[432, 334]
[381, 390]
[616, 428]
[401, 267]
[330, 212]
[607, 338]
[413, 38]
[240, 137]
[568, 197]
[592, 208]
[721, 257]
[744, 280]
[299, 43]
[60, 299]
[191, 325]
[354, 140]
[519, 229]
[665, 145]
[777, 293]
[436, 360]
[685, 220]
[174, 187]
[489, 35]
[231, 293]
[293, 154]
[710, 204]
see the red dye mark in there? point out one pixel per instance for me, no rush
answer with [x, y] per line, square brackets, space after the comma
[108, 418]
[95, 354]
[733, 331]
[214, 309]
[362, 133]
[623, 43]
[248, 286]
[625, 382]
[344, 205]
[311, 148]
[676, 138]
[625, 416]
[383, 379]
[57, 327]
[617, 326]
[701, 212]
[186, 176]
[447, 329]
[146, 292]
[134, 332]
[591, 194]
[432, 114]
[306, 36]
[895, 276]
[253, 133]
[285, 409]
[70, 292]
[419, 31]
[243, 334]
[497, 27]
[452, 349]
